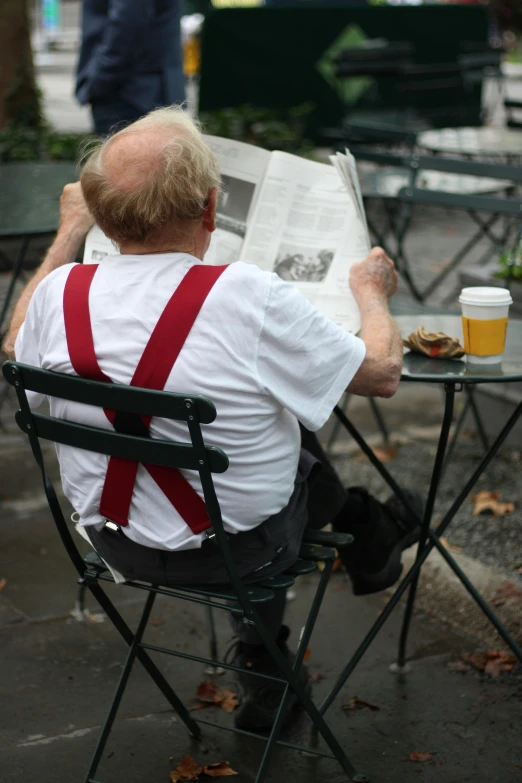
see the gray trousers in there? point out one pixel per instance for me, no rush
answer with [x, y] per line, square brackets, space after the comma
[267, 550]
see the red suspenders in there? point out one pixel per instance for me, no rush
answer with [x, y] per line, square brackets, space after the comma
[152, 372]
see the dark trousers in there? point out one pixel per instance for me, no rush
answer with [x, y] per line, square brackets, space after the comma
[111, 116]
[265, 551]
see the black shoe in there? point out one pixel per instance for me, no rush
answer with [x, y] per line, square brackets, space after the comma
[381, 532]
[260, 699]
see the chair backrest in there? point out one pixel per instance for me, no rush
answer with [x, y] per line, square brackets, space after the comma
[418, 162]
[510, 207]
[132, 402]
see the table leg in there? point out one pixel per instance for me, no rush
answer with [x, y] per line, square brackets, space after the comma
[421, 558]
[436, 476]
[17, 268]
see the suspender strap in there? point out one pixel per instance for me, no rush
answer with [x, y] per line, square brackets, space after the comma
[153, 370]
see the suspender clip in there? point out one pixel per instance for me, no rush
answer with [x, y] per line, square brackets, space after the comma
[210, 535]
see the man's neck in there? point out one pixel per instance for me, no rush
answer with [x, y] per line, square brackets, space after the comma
[138, 249]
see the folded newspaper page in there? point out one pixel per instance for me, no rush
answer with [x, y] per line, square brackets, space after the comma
[301, 219]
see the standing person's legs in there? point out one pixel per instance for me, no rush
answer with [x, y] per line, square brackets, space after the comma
[110, 116]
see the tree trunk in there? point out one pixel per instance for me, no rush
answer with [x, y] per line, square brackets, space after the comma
[19, 96]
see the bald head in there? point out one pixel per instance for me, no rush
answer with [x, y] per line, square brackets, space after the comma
[152, 177]
[131, 160]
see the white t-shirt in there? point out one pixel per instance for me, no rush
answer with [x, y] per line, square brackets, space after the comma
[258, 349]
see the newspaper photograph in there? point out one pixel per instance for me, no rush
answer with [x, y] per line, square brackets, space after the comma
[296, 263]
[242, 169]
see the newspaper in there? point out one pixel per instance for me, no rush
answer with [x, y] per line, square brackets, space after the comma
[301, 219]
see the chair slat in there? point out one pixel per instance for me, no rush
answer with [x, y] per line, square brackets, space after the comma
[472, 168]
[114, 396]
[316, 553]
[301, 567]
[327, 538]
[497, 206]
[131, 447]
[279, 582]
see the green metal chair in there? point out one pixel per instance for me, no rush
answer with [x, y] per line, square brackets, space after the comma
[238, 598]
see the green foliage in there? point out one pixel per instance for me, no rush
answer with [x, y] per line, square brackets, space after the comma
[20, 142]
[511, 264]
[283, 129]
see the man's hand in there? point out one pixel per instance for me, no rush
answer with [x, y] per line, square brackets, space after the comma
[376, 274]
[373, 282]
[74, 213]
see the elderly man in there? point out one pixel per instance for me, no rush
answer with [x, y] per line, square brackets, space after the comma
[266, 357]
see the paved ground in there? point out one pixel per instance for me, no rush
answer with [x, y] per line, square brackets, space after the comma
[58, 674]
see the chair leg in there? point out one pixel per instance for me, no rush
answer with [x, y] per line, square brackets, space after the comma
[292, 676]
[150, 667]
[17, 268]
[213, 645]
[120, 690]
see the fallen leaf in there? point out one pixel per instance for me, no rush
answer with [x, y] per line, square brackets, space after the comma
[490, 502]
[450, 547]
[307, 654]
[384, 453]
[156, 622]
[220, 769]
[507, 591]
[3, 583]
[359, 704]
[187, 769]
[419, 755]
[458, 666]
[209, 694]
[337, 565]
[492, 662]
[229, 703]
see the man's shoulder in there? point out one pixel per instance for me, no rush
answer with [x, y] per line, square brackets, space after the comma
[56, 278]
[249, 274]
[52, 285]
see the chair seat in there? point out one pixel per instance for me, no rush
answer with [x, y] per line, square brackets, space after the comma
[256, 594]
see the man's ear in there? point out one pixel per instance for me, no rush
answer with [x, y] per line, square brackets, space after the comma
[209, 215]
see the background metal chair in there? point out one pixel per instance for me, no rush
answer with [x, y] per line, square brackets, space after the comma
[239, 599]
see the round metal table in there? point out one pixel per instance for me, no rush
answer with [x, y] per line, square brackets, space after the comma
[453, 375]
[497, 142]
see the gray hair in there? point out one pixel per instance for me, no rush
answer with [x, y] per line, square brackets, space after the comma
[174, 192]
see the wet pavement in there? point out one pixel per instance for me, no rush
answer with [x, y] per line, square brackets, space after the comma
[57, 676]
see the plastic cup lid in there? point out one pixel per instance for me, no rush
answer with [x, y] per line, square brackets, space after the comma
[485, 296]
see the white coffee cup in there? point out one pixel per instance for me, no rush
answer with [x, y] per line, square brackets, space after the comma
[484, 322]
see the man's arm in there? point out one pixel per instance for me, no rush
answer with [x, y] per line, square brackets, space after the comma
[75, 221]
[373, 282]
